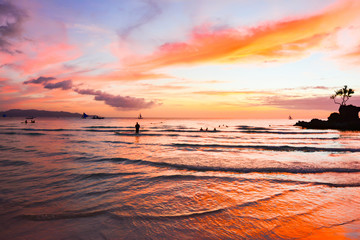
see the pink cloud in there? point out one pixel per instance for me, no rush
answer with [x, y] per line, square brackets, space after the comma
[30, 43]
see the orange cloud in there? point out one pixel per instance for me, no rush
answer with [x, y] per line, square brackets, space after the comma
[287, 38]
[353, 55]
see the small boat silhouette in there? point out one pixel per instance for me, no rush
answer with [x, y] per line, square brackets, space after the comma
[84, 115]
[140, 117]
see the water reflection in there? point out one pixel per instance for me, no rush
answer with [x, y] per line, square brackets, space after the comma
[86, 179]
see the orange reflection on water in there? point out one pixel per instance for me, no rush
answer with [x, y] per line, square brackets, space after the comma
[334, 233]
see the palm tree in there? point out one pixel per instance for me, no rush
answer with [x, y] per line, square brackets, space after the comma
[344, 94]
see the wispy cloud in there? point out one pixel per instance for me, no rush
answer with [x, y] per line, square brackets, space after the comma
[223, 93]
[309, 88]
[147, 12]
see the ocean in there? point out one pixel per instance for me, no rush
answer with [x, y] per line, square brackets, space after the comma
[249, 179]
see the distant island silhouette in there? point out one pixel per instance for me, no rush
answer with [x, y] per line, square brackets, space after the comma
[37, 113]
[346, 119]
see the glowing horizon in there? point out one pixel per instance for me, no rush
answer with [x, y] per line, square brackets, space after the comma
[169, 58]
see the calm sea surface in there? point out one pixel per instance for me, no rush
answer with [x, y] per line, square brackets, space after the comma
[250, 179]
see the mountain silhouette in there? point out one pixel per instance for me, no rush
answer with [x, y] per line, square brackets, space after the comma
[37, 113]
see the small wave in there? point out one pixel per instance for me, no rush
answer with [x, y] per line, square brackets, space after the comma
[268, 198]
[117, 127]
[187, 215]
[79, 141]
[60, 216]
[305, 138]
[137, 134]
[194, 177]
[229, 169]
[328, 184]
[13, 163]
[179, 130]
[341, 223]
[182, 177]
[99, 130]
[110, 159]
[169, 216]
[337, 185]
[48, 130]
[19, 133]
[35, 134]
[281, 132]
[283, 148]
[251, 128]
[8, 133]
[74, 215]
[66, 135]
[116, 142]
[103, 175]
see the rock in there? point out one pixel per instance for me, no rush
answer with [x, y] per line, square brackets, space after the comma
[346, 119]
[349, 112]
[334, 117]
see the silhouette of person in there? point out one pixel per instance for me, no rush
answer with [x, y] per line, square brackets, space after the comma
[137, 127]
[201, 129]
[25, 121]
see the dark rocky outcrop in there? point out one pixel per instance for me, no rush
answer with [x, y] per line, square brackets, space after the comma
[346, 119]
[349, 113]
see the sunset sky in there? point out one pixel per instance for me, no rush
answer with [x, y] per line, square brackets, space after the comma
[179, 58]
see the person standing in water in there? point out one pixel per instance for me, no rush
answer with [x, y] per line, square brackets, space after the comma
[137, 127]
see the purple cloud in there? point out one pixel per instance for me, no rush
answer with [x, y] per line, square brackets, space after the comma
[88, 91]
[64, 85]
[11, 19]
[125, 103]
[117, 101]
[40, 80]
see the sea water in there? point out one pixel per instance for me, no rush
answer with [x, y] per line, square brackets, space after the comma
[249, 179]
